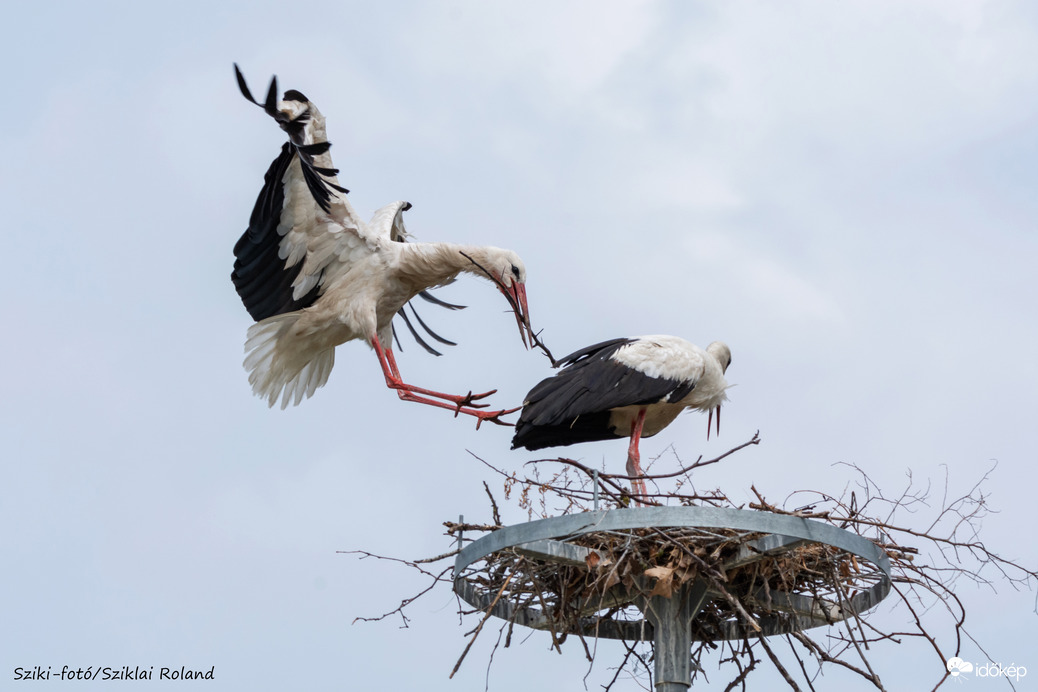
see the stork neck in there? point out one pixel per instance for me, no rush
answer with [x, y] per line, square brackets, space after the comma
[437, 263]
[475, 259]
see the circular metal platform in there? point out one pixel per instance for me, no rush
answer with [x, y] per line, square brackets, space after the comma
[741, 540]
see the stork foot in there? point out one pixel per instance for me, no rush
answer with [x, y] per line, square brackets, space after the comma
[494, 417]
[460, 402]
[469, 398]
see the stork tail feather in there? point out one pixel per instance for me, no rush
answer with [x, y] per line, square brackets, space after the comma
[274, 376]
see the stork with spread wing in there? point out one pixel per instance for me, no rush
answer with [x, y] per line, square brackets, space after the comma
[314, 275]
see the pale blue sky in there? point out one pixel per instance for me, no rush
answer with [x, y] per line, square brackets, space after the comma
[844, 193]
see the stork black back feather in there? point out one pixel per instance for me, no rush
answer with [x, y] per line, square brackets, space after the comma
[574, 405]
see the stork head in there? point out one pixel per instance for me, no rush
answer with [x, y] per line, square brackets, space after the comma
[511, 279]
[508, 272]
[722, 353]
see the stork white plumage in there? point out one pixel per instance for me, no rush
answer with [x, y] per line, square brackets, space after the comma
[624, 388]
[313, 275]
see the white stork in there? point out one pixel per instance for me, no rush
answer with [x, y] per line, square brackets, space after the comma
[313, 275]
[624, 388]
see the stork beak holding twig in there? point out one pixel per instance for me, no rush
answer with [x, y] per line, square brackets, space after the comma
[513, 287]
[516, 296]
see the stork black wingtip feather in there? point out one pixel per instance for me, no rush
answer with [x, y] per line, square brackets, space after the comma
[414, 333]
[433, 334]
[271, 104]
[425, 295]
[242, 85]
[329, 172]
[315, 149]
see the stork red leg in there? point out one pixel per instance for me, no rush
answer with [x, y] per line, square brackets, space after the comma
[410, 393]
[398, 382]
[633, 457]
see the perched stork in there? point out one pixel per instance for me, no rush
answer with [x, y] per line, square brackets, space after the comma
[624, 388]
[313, 275]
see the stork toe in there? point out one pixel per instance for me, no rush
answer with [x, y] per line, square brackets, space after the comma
[495, 417]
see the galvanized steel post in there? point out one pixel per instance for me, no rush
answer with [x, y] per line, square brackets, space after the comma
[671, 620]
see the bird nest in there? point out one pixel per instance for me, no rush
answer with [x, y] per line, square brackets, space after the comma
[757, 572]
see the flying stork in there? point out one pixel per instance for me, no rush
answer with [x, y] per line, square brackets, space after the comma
[624, 388]
[313, 275]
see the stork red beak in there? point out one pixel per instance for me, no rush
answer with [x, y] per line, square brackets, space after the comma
[710, 419]
[516, 295]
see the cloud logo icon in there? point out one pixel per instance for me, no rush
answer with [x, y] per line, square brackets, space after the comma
[956, 665]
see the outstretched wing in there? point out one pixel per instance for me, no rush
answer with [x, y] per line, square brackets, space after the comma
[302, 231]
[389, 221]
[305, 128]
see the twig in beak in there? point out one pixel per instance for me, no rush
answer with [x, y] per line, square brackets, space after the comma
[521, 314]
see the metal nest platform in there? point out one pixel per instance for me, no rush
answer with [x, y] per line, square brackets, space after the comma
[672, 575]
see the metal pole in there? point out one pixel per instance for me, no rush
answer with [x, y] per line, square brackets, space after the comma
[671, 620]
[594, 475]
